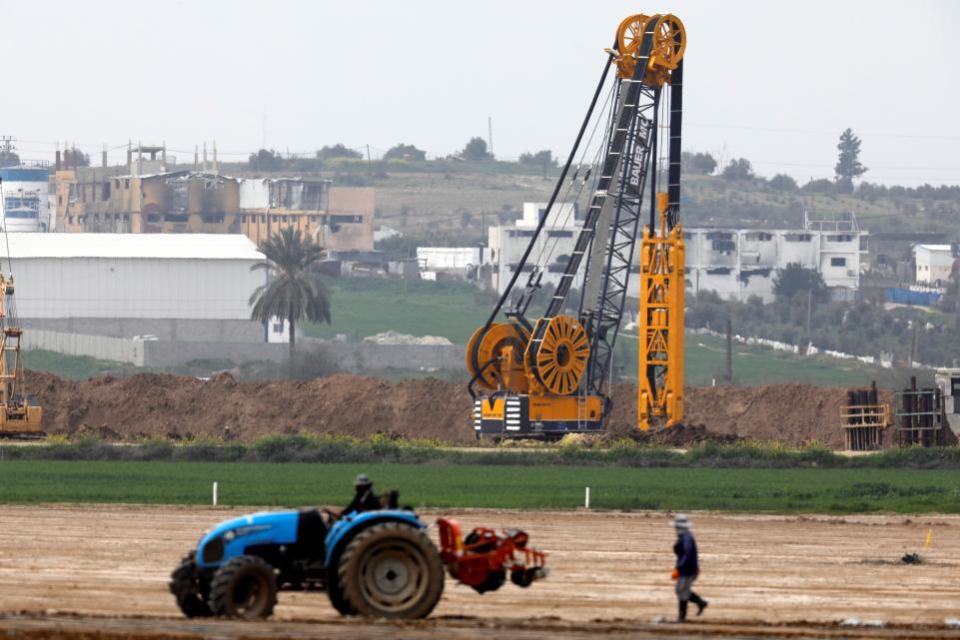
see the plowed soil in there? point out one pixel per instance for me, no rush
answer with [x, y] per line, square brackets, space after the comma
[763, 575]
[183, 407]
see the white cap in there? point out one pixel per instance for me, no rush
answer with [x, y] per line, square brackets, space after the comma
[681, 522]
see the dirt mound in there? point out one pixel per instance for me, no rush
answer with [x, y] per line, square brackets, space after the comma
[184, 407]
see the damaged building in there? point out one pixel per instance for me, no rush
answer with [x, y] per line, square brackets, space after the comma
[156, 196]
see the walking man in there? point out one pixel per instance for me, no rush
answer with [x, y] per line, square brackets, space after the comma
[687, 567]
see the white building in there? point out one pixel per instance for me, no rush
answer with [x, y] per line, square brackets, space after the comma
[739, 263]
[557, 240]
[182, 287]
[934, 263]
[26, 199]
[460, 262]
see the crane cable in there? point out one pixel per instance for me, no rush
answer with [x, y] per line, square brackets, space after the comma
[548, 248]
[475, 355]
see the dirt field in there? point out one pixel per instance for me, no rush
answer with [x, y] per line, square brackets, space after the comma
[142, 406]
[609, 575]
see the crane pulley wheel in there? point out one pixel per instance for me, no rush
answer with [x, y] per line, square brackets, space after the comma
[562, 355]
[501, 340]
[669, 43]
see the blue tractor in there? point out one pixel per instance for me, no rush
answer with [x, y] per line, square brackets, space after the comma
[376, 563]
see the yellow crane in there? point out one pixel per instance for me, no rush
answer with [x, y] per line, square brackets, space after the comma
[19, 416]
[549, 376]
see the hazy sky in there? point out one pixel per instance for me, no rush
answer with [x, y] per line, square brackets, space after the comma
[771, 81]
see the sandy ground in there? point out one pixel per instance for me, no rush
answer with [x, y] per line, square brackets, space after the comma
[607, 569]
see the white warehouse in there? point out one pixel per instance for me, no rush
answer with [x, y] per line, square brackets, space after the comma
[178, 287]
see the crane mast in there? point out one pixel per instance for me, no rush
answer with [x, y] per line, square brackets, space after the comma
[552, 375]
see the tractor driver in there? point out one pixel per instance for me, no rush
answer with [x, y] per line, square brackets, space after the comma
[364, 499]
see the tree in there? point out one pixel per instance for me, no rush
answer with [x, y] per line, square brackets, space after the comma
[819, 186]
[543, 159]
[783, 182]
[9, 158]
[266, 160]
[794, 278]
[476, 150]
[848, 164]
[293, 291]
[738, 169]
[702, 164]
[405, 152]
[338, 151]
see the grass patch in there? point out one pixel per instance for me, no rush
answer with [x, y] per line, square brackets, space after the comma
[382, 449]
[73, 367]
[513, 487]
[367, 306]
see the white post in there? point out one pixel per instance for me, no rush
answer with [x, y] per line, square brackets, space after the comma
[215, 487]
[586, 499]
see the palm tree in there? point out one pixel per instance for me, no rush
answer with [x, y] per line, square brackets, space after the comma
[293, 291]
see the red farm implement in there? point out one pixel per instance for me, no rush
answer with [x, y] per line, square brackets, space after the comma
[483, 558]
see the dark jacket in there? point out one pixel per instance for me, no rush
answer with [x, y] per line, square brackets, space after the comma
[686, 552]
[364, 500]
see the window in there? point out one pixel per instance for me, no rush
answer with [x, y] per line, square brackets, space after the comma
[70, 219]
[838, 262]
[153, 217]
[105, 190]
[278, 327]
[560, 234]
[797, 237]
[840, 238]
[345, 219]
[758, 236]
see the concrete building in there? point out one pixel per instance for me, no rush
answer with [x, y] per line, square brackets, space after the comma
[934, 263]
[26, 202]
[740, 263]
[186, 288]
[735, 263]
[558, 238]
[154, 196]
[456, 262]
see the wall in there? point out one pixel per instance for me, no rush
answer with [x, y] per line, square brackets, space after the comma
[183, 329]
[358, 358]
[349, 226]
[76, 344]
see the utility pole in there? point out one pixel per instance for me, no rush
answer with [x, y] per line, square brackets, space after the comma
[913, 345]
[369, 162]
[490, 134]
[728, 373]
[809, 315]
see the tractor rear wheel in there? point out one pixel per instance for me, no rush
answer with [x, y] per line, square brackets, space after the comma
[245, 587]
[391, 570]
[188, 588]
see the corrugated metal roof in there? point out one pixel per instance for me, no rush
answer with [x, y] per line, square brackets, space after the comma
[212, 246]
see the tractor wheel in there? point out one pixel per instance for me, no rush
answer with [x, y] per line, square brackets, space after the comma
[391, 570]
[245, 587]
[188, 588]
[335, 593]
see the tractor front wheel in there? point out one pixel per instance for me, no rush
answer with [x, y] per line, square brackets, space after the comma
[187, 587]
[391, 570]
[245, 587]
